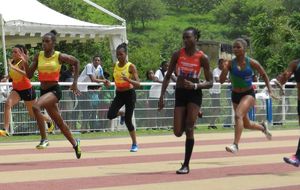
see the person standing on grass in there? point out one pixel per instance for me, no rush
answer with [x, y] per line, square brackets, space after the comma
[89, 98]
[241, 70]
[48, 64]
[187, 64]
[126, 79]
[215, 94]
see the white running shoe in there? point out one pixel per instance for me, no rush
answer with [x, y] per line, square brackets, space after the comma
[233, 148]
[266, 130]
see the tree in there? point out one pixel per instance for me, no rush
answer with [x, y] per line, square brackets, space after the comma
[69, 7]
[236, 14]
[291, 5]
[135, 11]
[202, 6]
[275, 42]
[177, 4]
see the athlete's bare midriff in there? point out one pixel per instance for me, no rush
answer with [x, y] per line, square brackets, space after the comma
[241, 90]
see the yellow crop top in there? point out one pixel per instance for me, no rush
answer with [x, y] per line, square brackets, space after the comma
[49, 68]
[19, 81]
[122, 71]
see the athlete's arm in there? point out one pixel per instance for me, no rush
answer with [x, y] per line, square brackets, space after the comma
[168, 75]
[167, 78]
[225, 70]
[133, 71]
[208, 83]
[65, 58]
[284, 77]
[30, 69]
[17, 69]
[255, 65]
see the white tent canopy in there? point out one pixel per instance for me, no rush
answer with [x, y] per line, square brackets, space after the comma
[26, 21]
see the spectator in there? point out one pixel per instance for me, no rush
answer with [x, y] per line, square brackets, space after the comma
[155, 90]
[90, 73]
[149, 78]
[215, 93]
[68, 76]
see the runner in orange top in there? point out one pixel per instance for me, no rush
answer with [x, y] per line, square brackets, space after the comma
[22, 89]
[126, 79]
[187, 63]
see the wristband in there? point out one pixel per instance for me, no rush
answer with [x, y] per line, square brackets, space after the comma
[195, 86]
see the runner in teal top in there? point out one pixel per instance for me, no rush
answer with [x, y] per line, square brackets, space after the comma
[241, 71]
[241, 78]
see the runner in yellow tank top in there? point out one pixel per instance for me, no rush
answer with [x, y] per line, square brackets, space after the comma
[126, 79]
[48, 63]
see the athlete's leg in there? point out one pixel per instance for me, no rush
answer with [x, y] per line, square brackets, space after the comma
[241, 110]
[12, 100]
[179, 121]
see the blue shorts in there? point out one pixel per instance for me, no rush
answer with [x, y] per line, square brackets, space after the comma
[26, 95]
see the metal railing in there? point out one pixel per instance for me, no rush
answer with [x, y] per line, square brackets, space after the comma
[88, 112]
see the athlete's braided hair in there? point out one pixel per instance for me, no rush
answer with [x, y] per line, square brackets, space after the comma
[122, 46]
[22, 48]
[52, 34]
[196, 32]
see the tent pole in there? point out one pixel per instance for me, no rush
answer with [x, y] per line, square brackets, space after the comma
[106, 11]
[5, 65]
[3, 45]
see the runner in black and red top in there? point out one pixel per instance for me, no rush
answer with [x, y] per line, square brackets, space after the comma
[187, 63]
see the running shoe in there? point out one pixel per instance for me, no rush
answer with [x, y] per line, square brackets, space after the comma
[122, 119]
[4, 133]
[183, 170]
[293, 160]
[266, 130]
[233, 148]
[134, 148]
[43, 144]
[77, 149]
[51, 126]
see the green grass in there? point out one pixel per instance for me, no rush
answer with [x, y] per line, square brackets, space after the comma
[116, 134]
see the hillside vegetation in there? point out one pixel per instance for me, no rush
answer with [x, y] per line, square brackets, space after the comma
[154, 28]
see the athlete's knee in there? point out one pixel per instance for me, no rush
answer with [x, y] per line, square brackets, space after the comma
[248, 126]
[8, 104]
[238, 116]
[178, 131]
[129, 124]
[130, 127]
[189, 129]
[189, 134]
[111, 115]
[31, 115]
[36, 108]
